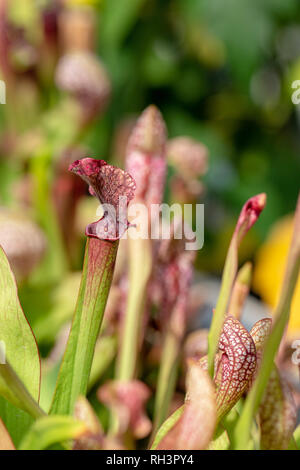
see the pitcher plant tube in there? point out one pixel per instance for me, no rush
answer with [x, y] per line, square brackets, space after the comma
[108, 184]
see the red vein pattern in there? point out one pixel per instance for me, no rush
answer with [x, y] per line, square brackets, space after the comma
[277, 411]
[260, 332]
[277, 414]
[108, 183]
[236, 366]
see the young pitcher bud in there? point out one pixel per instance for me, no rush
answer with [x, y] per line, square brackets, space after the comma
[145, 156]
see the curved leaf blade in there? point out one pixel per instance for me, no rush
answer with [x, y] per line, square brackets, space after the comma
[51, 430]
[21, 350]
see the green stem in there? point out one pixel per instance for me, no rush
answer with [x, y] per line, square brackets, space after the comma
[166, 379]
[229, 274]
[240, 290]
[139, 273]
[20, 392]
[96, 280]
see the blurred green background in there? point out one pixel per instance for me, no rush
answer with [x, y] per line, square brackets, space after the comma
[220, 71]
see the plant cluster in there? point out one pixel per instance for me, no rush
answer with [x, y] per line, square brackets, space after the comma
[134, 323]
[98, 343]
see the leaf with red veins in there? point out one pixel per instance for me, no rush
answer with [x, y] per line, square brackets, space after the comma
[128, 400]
[195, 427]
[277, 414]
[114, 188]
[260, 332]
[236, 366]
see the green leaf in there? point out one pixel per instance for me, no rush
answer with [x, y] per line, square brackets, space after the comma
[94, 288]
[51, 430]
[21, 352]
[220, 441]
[17, 422]
[13, 389]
